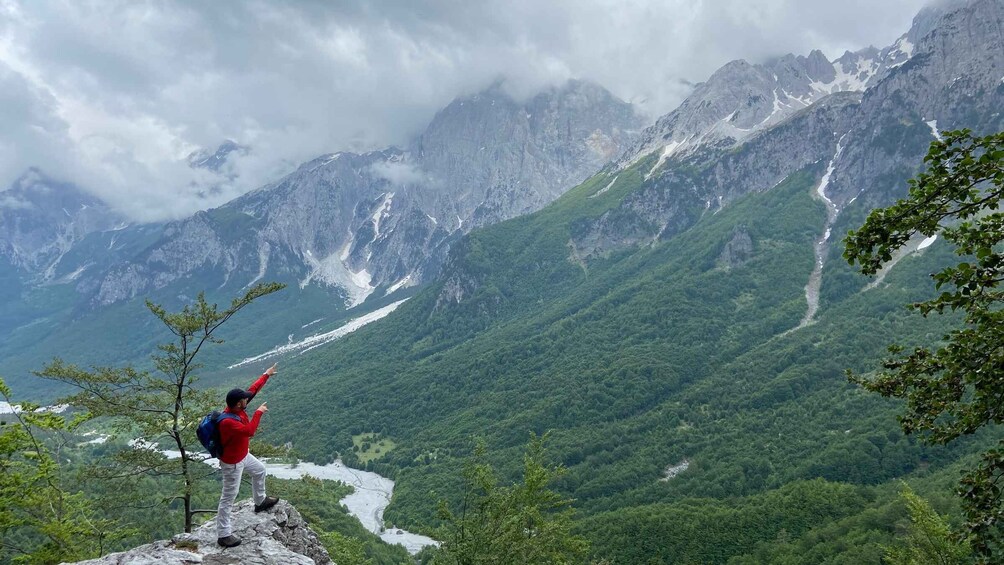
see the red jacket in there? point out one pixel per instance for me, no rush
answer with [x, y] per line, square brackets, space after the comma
[235, 435]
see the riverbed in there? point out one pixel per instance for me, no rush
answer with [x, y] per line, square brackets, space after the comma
[367, 502]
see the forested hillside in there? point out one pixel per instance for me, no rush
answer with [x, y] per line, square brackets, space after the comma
[673, 355]
[681, 326]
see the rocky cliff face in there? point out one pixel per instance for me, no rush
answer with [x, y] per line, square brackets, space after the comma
[742, 99]
[870, 115]
[953, 80]
[385, 219]
[507, 158]
[277, 537]
[42, 219]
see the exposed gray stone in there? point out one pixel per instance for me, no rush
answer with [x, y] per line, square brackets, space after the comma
[949, 67]
[387, 218]
[41, 219]
[279, 536]
[737, 250]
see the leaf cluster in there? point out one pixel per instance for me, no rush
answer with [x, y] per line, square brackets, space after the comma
[524, 523]
[958, 387]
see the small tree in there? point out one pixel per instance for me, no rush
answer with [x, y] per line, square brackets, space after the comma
[957, 388]
[41, 520]
[525, 523]
[929, 539]
[159, 408]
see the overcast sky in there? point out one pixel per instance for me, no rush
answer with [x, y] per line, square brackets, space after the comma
[114, 95]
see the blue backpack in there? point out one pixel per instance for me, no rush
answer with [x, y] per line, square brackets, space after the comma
[209, 432]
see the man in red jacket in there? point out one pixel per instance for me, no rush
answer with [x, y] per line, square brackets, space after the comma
[235, 435]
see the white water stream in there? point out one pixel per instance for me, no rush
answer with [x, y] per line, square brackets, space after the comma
[367, 503]
[821, 246]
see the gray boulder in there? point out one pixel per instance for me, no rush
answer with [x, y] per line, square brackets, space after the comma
[277, 537]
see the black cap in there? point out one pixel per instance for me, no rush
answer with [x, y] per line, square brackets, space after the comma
[236, 395]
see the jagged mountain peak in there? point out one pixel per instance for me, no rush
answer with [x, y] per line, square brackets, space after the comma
[743, 98]
[870, 115]
[385, 219]
[215, 159]
[41, 218]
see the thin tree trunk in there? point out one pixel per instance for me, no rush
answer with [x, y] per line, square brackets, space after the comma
[188, 513]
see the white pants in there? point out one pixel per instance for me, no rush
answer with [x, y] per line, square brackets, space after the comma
[232, 483]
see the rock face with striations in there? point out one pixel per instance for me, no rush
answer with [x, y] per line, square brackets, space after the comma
[277, 537]
[384, 220]
[42, 219]
[860, 124]
[868, 118]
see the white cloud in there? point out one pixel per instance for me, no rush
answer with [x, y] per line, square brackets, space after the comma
[114, 95]
[398, 173]
[11, 203]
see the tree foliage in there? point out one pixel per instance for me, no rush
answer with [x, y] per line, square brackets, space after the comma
[162, 407]
[929, 539]
[957, 388]
[523, 523]
[42, 520]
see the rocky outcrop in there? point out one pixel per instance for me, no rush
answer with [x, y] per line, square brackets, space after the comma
[385, 220]
[42, 219]
[506, 158]
[737, 250]
[741, 99]
[947, 72]
[671, 199]
[659, 210]
[954, 80]
[277, 537]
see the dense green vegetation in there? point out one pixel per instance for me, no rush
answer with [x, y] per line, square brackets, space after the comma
[954, 389]
[520, 524]
[141, 505]
[695, 422]
[639, 361]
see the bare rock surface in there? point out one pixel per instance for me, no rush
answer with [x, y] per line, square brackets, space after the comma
[278, 536]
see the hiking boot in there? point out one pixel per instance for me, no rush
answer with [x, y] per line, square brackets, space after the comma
[229, 541]
[269, 502]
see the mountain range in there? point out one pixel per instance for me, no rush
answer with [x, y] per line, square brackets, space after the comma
[339, 228]
[669, 302]
[681, 322]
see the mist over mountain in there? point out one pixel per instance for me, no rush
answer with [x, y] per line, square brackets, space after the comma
[681, 321]
[669, 301]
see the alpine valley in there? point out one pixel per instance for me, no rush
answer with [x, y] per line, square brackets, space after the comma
[668, 302]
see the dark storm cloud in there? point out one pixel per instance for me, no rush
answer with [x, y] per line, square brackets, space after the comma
[115, 95]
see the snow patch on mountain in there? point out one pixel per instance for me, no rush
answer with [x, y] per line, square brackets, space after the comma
[382, 211]
[318, 340]
[825, 181]
[406, 281]
[667, 151]
[850, 77]
[332, 271]
[933, 124]
[263, 253]
[821, 247]
[327, 159]
[900, 52]
[604, 189]
[914, 245]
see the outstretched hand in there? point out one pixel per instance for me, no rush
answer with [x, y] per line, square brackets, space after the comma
[271, 370]
[263, 408]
